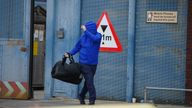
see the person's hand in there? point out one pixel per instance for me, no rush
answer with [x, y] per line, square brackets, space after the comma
[66, 55]
[83, 27]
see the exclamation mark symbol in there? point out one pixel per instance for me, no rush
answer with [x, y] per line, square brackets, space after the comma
[103, 28]
[103, 39]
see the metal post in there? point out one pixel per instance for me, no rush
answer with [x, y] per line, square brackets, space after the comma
[131, 49]
[145, 95]
[31, 49]
[50, 26]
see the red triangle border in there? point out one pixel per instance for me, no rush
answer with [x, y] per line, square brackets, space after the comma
[119, 47]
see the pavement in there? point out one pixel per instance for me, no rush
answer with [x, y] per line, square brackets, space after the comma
[63, 102]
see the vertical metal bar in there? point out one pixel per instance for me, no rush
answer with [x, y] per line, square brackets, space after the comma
[131, 49]
[31, 51]
[145, 95]
[50, 25]
[80, 22]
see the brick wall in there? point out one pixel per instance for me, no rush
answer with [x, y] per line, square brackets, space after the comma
[189, 55]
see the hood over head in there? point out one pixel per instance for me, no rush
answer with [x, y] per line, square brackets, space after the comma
[91, 27]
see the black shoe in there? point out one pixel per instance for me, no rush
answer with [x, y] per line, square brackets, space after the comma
[82, 102]
[91, 103]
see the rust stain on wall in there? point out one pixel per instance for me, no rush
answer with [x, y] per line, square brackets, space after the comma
[15, 42]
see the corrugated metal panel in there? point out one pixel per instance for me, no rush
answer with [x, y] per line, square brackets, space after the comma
[14, 62]
[4, 6]
[11, 19]
[160, 51]
[66, 17]
[110, 79]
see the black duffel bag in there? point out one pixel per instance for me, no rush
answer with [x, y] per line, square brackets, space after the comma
[67, 72]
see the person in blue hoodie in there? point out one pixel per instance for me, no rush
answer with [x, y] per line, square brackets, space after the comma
[88, 48]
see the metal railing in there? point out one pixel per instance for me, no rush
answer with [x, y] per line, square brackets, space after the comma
[160, 88]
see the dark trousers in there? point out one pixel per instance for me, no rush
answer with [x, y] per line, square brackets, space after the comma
[88, 72]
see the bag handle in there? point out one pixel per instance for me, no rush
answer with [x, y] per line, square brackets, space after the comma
[70, 59]
[63, 60]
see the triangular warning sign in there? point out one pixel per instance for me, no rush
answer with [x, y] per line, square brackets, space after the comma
[110, 41]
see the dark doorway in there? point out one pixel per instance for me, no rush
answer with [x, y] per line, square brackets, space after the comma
[188, 95]
[39, 46]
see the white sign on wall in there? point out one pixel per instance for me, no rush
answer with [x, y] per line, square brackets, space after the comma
[162, 16]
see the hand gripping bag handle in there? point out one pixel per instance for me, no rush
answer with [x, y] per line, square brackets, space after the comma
[70, 59]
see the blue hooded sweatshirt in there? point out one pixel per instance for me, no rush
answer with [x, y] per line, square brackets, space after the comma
[88, 45]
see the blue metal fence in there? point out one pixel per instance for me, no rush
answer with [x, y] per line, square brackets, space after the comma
[11, 19]
[160, 51]
[111, 75]
[160, 48]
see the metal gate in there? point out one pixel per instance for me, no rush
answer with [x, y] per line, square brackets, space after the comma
[160, 54]
[111, 75]
[14, 48]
